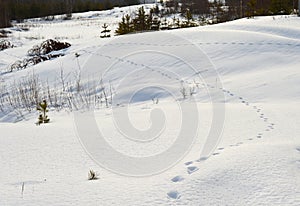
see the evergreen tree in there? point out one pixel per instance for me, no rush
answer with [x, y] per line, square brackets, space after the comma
[149, 20]
[251, 8]
[139, 22]
[105, 32]
[164, 24]
[281, 6]
[69, 9]
[42, 107]
[155, 23]
[125, 26]
[189, 19]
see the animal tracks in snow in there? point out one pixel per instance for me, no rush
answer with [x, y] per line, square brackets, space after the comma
[177, 179]
[174, 195]
[192, 168]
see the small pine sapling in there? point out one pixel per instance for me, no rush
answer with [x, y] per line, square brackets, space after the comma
[42, 107]
[105, 31]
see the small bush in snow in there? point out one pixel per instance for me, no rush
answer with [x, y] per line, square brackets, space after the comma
[40, 53]
[92, 175]
[4, 44]
[43, 118]
[47, 46]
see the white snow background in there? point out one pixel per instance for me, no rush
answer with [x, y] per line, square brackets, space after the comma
[257, 161]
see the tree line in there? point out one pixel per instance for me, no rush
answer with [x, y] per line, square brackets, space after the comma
[217, 10]
[232, 9]
[22, 9]
[204, 12]
[154, 20]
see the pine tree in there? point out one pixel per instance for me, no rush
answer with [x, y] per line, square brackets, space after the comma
[140, 20]
[189, 19]
[251, 5]
[42, 107]
[155, 23]
[164, 24]
[149, 20]
[105, 32]
[125, 26]
[69, 9]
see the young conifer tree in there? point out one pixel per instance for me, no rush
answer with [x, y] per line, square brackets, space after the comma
[105, 32]
[43, 108]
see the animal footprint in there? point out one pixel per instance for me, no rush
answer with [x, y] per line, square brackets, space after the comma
[189, 163]
[192, 169]
[202, 159]
[177, 179]
[174, 195]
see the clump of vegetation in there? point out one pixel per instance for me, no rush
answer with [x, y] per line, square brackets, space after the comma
[40, 53]
[4, 44]
[92, 175]
[151, 21]
[42, 107]
[47, 46]
[4, 33]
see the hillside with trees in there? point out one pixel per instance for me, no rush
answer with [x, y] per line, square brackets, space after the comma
[22, 9]
[218, 10]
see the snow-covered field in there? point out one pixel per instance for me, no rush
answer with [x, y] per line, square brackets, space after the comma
[254, 161]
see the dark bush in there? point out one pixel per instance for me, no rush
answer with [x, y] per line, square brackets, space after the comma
[4, 44]
[40, 53]
[47, 46]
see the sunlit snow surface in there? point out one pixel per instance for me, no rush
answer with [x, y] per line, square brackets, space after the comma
[256, 162]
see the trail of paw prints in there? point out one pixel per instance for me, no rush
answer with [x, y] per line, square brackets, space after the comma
[190, 166]
[203, 43]
[261, 115]
[174, 195]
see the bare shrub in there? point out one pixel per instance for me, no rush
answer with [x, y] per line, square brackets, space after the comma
[4, 44]
[92, 175]
[47, 46]
[40, 53]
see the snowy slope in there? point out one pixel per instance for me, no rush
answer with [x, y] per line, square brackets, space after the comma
[256, 162]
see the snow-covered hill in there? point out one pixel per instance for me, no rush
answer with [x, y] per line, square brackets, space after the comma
[241, 81]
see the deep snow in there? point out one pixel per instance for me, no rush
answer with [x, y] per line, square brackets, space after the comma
[256, 162]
